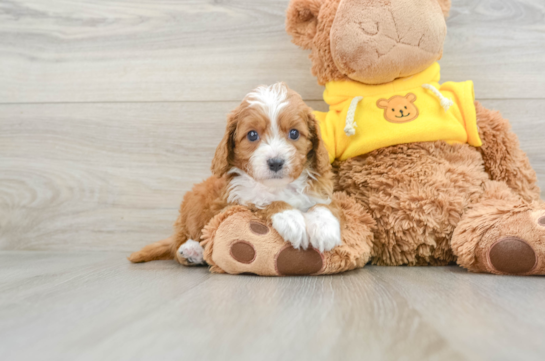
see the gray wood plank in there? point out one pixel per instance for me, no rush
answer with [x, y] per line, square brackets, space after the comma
[501, 310]
[96, 305]
[51, 303]
[111, 176]
[92, 167]
[191, 50]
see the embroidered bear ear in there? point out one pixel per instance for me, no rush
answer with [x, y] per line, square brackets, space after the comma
[411, 97]
[302, 21]
[382, 103]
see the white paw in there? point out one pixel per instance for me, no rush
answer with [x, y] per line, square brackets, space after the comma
[291, 226]
[192, 251]
[323, 229]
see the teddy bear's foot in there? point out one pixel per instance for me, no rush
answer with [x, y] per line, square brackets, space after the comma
[294, 262]
[247, 245]
[236, 242]
[502, 240]
[287, 262]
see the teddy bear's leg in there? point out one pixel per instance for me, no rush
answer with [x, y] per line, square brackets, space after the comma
[502, 234]
[242, 243]
[245, 244]
[504, 161]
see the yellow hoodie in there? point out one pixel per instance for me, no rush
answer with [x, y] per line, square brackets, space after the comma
[363, 118]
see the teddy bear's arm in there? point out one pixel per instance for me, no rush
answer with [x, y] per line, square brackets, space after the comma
[503, 158]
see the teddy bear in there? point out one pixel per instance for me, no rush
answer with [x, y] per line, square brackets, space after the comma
[439, 178]
[443, 177]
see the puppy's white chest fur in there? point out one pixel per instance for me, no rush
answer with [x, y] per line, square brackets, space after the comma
[244, 190]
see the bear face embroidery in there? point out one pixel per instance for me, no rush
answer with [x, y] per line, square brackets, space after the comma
[399, 109]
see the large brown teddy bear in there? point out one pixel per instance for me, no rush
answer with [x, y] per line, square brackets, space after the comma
[450, 184]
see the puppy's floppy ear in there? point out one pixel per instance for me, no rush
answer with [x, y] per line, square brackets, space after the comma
[225, 152]
[318, 154]
[445, 6]
[302, 21]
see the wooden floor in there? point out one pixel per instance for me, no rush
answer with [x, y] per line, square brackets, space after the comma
[110, 110]
[97, 306]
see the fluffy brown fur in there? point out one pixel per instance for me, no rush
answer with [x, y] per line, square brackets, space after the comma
[435, 203]
[503, 159]
[499, 213]
[416, 206]
[209, 198]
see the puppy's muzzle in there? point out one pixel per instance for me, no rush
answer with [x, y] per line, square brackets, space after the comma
[275, 164]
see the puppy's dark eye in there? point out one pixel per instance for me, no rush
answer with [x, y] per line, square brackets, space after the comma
[393, 110]
[405, 107]
[294, 134]
[252, 136]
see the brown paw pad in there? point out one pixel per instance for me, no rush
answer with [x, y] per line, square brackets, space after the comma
[292, 262]
[258, 228]
[243, 252]
[512, 255]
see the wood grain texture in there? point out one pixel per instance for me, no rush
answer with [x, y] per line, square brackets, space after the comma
[95, 305]
[191, 50]
[112, 176]
[71, 172]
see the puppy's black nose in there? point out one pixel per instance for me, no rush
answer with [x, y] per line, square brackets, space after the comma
[275, 164]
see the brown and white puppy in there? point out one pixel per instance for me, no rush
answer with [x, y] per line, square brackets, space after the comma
[272, 160]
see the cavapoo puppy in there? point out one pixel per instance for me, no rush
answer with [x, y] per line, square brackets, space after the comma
[272, 160]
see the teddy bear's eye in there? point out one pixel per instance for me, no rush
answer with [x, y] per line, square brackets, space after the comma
[405, 107]
[393, 110]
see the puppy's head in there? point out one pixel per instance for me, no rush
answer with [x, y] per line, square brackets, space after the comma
[273, 137]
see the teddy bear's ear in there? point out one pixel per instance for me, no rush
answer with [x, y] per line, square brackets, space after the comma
[302, 21]
[382, 103]
[445, 6]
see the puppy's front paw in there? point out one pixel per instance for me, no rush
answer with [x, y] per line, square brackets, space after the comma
[323, 229]
[192, 251]
[291, 226]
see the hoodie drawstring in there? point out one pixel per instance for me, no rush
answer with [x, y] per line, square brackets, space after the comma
[446, 103]
[349, 129]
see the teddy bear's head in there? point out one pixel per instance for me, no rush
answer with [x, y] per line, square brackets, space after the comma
[369, 41]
